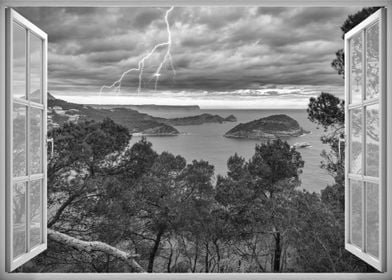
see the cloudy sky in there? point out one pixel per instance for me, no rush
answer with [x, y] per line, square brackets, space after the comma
[224, 57]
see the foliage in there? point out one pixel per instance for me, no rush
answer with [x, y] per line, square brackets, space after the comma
[327, 111]
[177, 218]
[350, 23]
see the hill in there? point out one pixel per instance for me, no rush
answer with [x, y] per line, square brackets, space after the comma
[60, 111]
[268, 128]
[199, 119]
[148, 107]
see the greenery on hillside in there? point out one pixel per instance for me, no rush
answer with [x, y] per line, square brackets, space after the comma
[131, 119]
[171, 216]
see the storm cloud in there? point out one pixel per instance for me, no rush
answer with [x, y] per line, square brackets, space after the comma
[217, 50]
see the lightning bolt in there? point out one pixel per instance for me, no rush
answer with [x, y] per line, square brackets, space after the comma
[116, 86]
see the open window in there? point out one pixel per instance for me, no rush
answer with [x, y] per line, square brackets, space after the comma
[365, 124]
[365, 168]
[26, 149]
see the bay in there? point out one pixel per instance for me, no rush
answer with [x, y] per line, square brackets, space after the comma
[207, 142]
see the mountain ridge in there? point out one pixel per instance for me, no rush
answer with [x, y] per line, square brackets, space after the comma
[60, 111]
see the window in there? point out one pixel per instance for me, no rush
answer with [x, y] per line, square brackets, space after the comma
[365, 120]
[26, 158]
[369, 140]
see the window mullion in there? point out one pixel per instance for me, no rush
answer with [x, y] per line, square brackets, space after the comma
[28, 155]
[364, 187]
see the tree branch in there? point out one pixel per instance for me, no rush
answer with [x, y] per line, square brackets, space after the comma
[61, 209]
[90, 246]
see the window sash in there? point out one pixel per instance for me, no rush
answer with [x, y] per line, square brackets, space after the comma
[30, 250]
[361, 252]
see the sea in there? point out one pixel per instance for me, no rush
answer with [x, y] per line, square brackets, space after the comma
[206, 141]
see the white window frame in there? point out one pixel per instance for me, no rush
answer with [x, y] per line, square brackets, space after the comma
[12, 17]
[380, 180]
[165, 3]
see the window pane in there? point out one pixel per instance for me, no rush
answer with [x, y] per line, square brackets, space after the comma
[356, 68]
[19, 219]
[372, 219]
[372, 140]
[35, 141]
[372, 62]
[356, 212]
[35, 68]
[19, 140]
[19, 62]
[35, 213]
[356, 141]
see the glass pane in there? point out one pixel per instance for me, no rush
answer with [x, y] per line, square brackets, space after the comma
[35, 68]
[35, 213]
[19, 219]
[19, 140]
[35, 141]
[356, 141]
[356, 213]
[372, 62]
[372, 220]
[19, 61]
[356, 68]
[372, 140]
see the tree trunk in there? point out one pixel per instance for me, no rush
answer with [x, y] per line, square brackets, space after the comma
[91, 246]
[154, 250]
[217, 255]
[206, 264]
[61, 209]
[170, 259]
[278, 252]
[196, 256]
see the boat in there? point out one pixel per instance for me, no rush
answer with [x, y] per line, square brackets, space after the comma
[301, 145]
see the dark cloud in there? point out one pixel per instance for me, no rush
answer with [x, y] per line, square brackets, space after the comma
[214, 48]
[145, 18]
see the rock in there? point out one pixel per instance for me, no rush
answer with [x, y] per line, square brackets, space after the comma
[268, 128]
[231, 118]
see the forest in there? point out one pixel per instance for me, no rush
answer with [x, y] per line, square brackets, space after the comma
[113, 207]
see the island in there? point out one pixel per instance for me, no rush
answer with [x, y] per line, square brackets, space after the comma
[268, 128]
[199, 119]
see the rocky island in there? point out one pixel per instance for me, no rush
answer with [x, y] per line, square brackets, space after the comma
[268, 128]
[199, 119]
